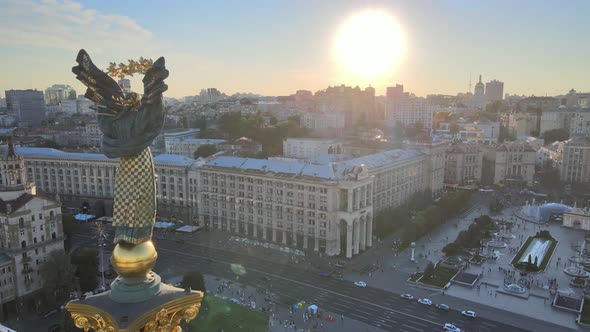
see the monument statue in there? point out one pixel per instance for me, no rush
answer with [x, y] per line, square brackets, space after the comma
[129, 124]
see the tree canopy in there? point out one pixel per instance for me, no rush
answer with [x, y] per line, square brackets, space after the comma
[555, 135]
[86, 262]
[194, 280]
[205, 151]
[58, 273]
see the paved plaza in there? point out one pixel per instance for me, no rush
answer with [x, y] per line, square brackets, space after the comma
[536, 303]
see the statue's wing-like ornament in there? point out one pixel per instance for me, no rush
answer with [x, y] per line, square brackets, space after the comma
[102, 89]
[129, 125]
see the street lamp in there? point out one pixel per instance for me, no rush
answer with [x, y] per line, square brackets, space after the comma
[101, 235]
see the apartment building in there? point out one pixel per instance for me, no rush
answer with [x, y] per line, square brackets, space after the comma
[31, 228]
[463, 164]
[575, 165]
[514, 163]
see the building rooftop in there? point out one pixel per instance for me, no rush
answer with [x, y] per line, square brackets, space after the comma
[173, 159]
[28, 152]
[196, 140]
[385, 158]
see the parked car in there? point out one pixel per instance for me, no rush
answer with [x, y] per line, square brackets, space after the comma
[360, 283]
[425, 301]
[325, 274]
[468, 313]
[451, 328]
[443, 307]
[407, 296]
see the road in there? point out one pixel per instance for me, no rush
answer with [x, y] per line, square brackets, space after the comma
[291, 284]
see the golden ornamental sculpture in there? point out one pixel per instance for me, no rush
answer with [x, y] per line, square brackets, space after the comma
[130, 123]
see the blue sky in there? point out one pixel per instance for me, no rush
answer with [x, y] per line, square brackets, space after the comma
[277, 47]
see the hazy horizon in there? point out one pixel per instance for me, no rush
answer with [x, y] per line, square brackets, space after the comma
[275, 49]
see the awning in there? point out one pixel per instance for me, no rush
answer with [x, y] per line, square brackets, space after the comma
[188, 229]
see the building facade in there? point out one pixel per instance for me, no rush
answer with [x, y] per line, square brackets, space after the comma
[577, 218]
[580, 123]
[319, 121]
[188, 146]
[575, 166]
[57, 93]
[90, 178]
[296, 204]
[494, 91]
[463, 164]
[31, 230]
[407, 110]
[309, 148]
[326, 207]
[514, 164]
[28, 106]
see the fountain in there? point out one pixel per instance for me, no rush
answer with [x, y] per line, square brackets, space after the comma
[496, 243]
[577, 269]
[504, 234]
[514, 288]
[541, 213]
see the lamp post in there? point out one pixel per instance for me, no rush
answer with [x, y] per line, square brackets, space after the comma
[101, 236]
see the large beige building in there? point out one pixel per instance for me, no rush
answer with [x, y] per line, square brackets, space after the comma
[463, 164]
[305, 205]
[31, 228]
[514, 164]
[296, 204]
[90, 178]
[575, 165]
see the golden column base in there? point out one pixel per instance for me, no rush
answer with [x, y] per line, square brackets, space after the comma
[134, 261]
[99, 314]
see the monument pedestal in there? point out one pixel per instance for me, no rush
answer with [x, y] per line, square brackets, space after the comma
[162, 312]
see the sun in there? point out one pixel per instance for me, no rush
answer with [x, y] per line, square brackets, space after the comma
[369, 44]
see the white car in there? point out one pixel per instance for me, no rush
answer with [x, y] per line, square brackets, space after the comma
[407, 296]
[450, 327]
[425, 301]
[468, 313]
[360, 283]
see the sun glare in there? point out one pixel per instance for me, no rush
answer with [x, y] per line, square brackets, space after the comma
[369, 45]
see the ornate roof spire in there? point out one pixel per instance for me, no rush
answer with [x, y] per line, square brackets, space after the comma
[11, 150]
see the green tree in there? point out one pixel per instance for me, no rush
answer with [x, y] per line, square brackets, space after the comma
[70, 226]
[454, 128]
[184, 122]
[273, 120]
[194, 280]
[58, 275]
[205, 151]
[554, 135]
[201, 123]
[86, 262]
[429, 270]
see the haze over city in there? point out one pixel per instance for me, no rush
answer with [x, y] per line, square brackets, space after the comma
[274, 48]
[308, 166]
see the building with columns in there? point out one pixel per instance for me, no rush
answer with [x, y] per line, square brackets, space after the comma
[31, 228]
[297, 204]
[325, 206]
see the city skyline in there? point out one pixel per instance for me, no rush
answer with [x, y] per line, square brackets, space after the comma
[274, 49]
